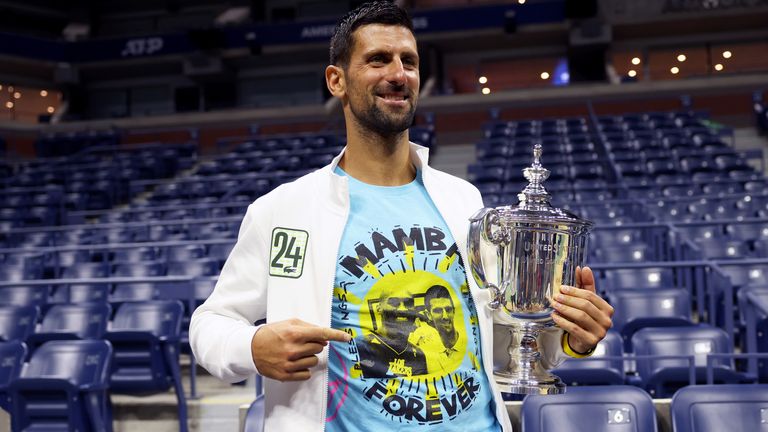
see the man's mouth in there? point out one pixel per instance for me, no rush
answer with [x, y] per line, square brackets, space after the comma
[394, 99]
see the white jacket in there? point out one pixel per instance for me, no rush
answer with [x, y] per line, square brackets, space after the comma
[222, 328]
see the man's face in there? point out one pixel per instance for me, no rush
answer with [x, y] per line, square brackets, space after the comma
[397, 312]
[382, 78]
[441, 312]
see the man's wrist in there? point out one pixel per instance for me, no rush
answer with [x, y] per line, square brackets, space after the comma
[568, 349]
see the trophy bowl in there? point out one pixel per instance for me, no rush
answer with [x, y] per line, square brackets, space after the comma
[523, 254]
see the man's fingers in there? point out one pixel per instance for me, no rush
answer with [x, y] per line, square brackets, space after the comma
[568, 293]
[585, 279]
[312, 333]
[303, 363]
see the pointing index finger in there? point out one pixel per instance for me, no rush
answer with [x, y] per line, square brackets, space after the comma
[324, 334]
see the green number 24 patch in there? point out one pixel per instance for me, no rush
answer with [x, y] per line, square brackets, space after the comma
[287, 252]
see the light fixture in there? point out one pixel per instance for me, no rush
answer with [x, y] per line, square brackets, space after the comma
[486, 90]
[10, 89]
[521, 1]
[674, 70]
[636, 60]
[43, 93]
[482, 80]
[545, 75]
[632, 73]
[17, 95]
[1, 87]
[9, 104]
[50, 110]
[718, 67]
[727, 54]
[681, 57]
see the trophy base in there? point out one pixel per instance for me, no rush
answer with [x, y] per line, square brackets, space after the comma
[546, 385]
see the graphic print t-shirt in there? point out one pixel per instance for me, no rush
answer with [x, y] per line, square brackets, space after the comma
[414, 362]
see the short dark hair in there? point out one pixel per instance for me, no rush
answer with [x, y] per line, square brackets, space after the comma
[436, 291]
[374, 12]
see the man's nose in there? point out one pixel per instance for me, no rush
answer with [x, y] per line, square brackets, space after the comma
[396, 73]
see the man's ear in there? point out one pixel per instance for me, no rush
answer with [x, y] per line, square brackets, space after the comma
[335, 80]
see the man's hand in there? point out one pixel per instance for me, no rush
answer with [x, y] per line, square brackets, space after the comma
[286, 350]
[582, 313]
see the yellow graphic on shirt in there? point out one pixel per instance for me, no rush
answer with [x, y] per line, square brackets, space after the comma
[414, 322]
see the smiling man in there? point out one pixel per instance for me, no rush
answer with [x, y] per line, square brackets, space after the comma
[366, 238]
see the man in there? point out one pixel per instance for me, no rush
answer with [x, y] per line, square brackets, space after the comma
[386, 351]
[439, 338]
[376, 218]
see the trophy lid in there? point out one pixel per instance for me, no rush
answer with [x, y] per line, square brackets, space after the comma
[534, 205]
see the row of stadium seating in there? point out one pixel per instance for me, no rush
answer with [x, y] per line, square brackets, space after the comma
[79, 355]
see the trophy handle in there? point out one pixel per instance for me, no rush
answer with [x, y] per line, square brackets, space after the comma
[479, 228]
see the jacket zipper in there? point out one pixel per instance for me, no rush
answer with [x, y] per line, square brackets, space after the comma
[324, 406]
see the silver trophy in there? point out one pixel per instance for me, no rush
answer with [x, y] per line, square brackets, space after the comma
[537, 249]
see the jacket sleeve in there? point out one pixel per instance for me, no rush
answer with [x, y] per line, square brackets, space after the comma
[222, 328]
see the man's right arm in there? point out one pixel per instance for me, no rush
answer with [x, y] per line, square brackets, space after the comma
[222, 333]
[222, 328]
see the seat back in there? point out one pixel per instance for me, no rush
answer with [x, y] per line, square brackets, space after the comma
[254, 417]
[63, 387]
[638, 308]
[593, 370]
[595, 409]
[639, 278]
[162, 318]
[716, 408]
[25, 295]
[86, 321]
[83, 363]
[17, 322]
[12, 356]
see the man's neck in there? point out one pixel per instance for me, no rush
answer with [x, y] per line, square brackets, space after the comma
[377, 160]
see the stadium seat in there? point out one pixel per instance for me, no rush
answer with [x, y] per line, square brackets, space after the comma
[27, 295]
[63, 388]
[71, 322]
[194, 268]
[639, 278]
[661, 377]
[17, 322]
[254, 417]
[716, 408]
[80, 293]
[12, 355]
[593, 370]
[590, 409]
[640, 308]
[145, 338]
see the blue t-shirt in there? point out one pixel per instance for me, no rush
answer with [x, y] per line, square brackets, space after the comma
[401, 291]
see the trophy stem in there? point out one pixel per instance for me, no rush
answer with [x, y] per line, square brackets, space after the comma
[525, 373]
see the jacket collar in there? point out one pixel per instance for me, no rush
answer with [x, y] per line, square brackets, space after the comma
[338, 185]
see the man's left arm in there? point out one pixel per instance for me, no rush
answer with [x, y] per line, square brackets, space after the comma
[582, 314]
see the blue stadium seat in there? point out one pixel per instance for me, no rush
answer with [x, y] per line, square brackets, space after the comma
[12, 355]
[662, 377]
[71, 322]
[28, 295]
[631, 252]
[63, 387]
[593, 409]
[92, 270]
[254, 417]
[640, 308]
[137, 254]
[138, 269]
[639, 278]
[716, 408]
[17, 322]
[193, 268]
[593, 370]
[185, 252]
[80, 293]
[145, 338]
